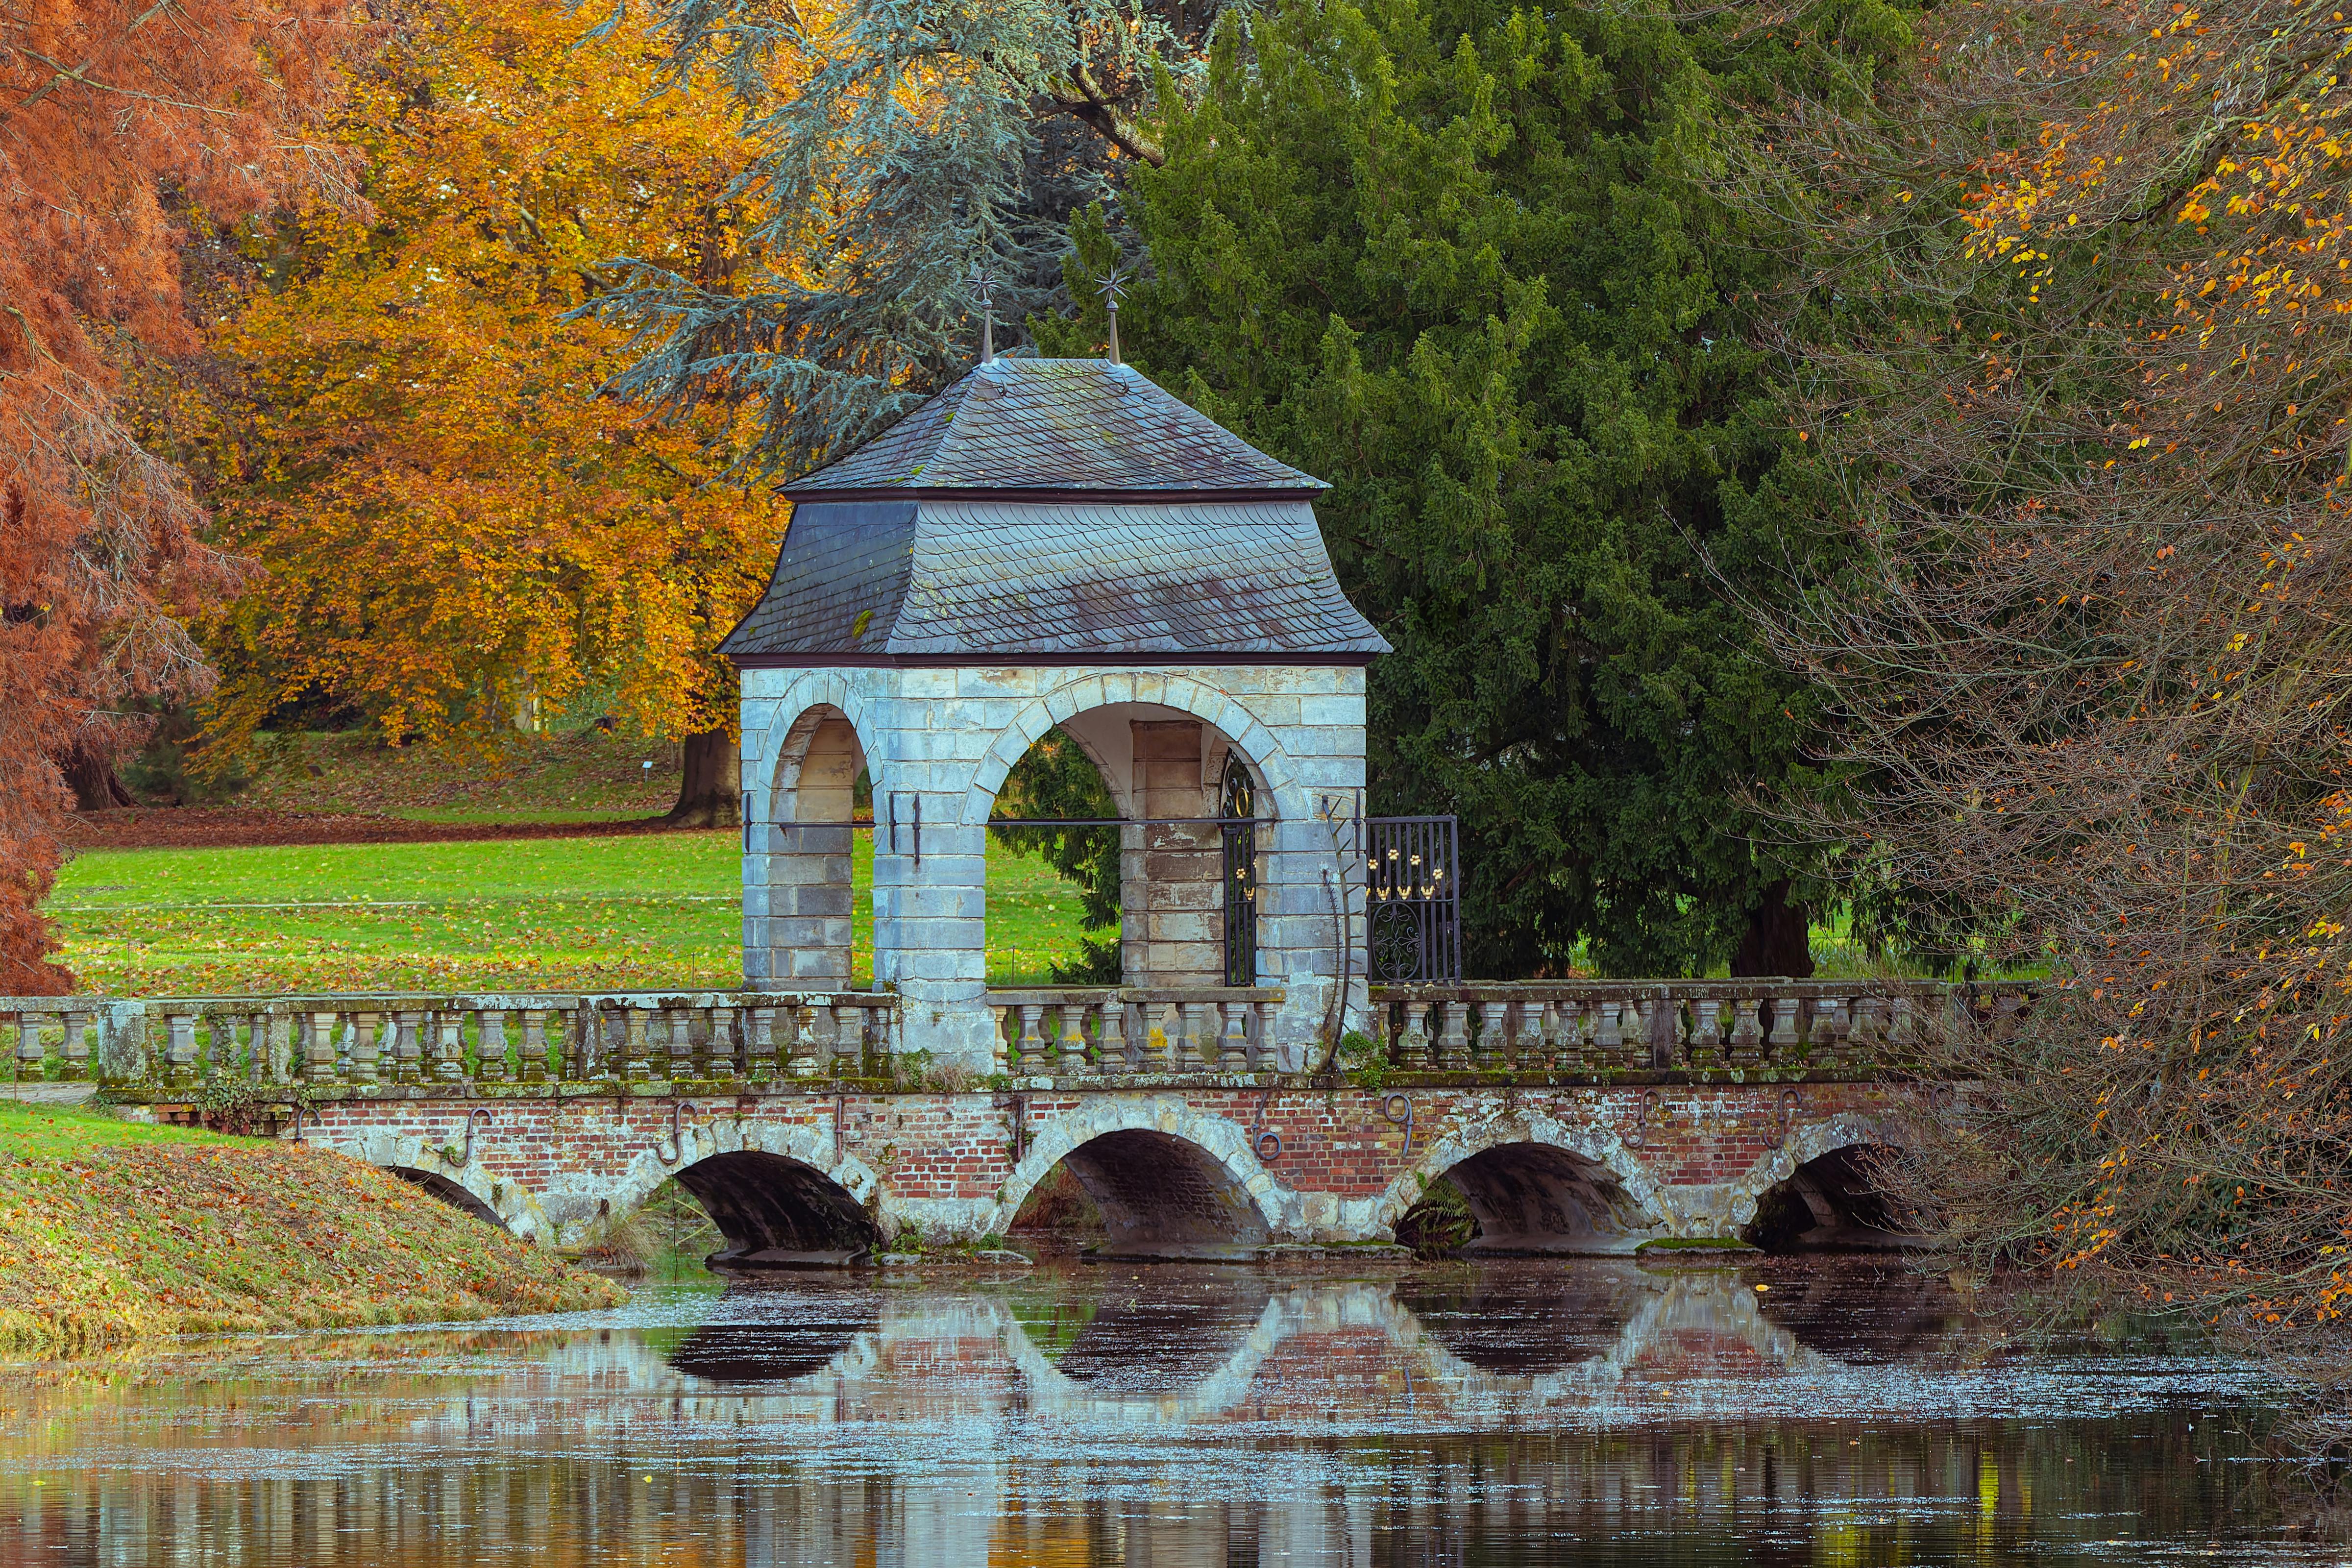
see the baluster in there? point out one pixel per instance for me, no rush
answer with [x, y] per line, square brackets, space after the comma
[1073, 1038]
[490, 1044]
[1263, 1055]
[1199, 1050]
[1827, 1032]
[1030, 1049]
[1000, 1053]
[31, 1055]
[449, 1046]
[76, 1047]
[406, 1052]
[318, 1047]
[179, 1049]
[1901, 1026]
[1233, 1046]
[1494, 1048]
[367, 1044]
[531, 1053]
[724, 1049]
[1783, 1038]
[636, 1061]
[1608, 1037]
[1865, 1031]
[760, 1062]
[800, 1055]
[1160, 1032]
[1706, 1033]
[1413, 1047]
[1747, 1048]
[1530, 1052]
[1110, 1036]
[849, 1036]
[1453, 1035]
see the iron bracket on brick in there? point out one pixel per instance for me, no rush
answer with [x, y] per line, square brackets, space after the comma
[467, 1157]
[1260, 1139]
[1403, 1118]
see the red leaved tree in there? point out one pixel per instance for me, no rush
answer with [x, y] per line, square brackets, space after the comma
[116, 118]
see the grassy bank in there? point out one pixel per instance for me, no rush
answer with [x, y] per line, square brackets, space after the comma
[545, 913]
[115, 1233]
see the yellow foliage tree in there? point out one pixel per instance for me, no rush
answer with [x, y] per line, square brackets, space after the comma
[458, 534]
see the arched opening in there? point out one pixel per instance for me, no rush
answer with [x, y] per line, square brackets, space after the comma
[762, 1333]
[1170, 899]
[1146, 1194]
[449, 1192]
[1525, 1200]
[805, 920]
[1126, 1341]
[776, 1212]
[1528, 1322]
[1833, 1203]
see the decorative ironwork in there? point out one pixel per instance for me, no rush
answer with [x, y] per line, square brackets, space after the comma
[1412, 897]
[1237, 798]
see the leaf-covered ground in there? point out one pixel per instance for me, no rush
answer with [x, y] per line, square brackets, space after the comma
[114, 1233]
[660, 910]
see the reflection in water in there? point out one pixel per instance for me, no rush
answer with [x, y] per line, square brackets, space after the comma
[1543, 1414]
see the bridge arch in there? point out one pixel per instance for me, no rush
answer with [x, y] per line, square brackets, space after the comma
[1169, 1179]
[1814, 1174]
[779, 1193]
[448, 1173]
[1537, 1184]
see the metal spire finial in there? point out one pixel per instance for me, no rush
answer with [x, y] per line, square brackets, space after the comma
[1114, 289]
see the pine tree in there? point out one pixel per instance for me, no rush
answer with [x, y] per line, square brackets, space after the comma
[1463, 261]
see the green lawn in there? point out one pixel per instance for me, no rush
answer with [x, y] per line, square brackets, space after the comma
[548, 913]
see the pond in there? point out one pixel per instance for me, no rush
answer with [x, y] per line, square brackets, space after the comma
[1849, 1411]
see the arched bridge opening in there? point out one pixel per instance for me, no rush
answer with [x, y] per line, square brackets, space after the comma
[777, 1213]
[1521, 1200]
[449, 1192]
[1143, 1193]
[1835, 1202]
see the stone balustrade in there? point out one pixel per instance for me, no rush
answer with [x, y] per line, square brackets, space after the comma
[1113, 1031]
[1696, 1027]
[1603, 1030]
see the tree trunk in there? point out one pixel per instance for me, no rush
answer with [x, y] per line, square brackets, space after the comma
[711, 793]
[89, 773]
[1778, 940]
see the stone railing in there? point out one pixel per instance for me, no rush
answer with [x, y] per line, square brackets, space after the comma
[366, 1041]
[1111, 1031]
[1704, 1026]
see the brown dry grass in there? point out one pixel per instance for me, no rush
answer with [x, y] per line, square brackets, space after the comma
[114, 1236]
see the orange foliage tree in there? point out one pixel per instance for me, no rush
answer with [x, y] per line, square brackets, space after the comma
[458, 535]
[2080, 344]
[116, 117]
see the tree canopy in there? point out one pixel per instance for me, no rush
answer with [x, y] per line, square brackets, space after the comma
[403, 427]
[1465, 262]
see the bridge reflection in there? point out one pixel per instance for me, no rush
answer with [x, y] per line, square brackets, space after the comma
[1591, 1413]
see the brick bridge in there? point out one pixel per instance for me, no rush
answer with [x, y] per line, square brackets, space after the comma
[1589, 1117]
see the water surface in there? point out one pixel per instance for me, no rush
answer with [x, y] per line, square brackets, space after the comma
[1581, 1413]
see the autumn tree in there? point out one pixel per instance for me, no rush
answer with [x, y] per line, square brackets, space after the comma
[116, 120]
[2078, 337]
[458, 534]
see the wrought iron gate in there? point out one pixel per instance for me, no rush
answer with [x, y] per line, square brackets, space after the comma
[1236, 798]
[1412, 900]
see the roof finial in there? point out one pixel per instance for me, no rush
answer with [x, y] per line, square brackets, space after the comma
[1114, 289]
[984, 279]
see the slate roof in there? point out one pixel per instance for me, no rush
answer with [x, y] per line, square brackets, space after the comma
[1056, 424]
[1078, 514]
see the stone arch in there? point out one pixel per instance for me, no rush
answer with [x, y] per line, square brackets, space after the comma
[1528, 1167]
[814, 689]
[1222, 1388]
[1256, 743]
[1806, 1145]
[799, 912]
[466, 1183]
[777, 1194]
[1198, 1159]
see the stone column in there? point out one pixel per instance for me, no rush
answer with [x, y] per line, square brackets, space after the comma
[1171, 886]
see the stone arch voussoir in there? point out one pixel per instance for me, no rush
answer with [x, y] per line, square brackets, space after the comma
[1207, 703]
[636, 1182]
[1595, 1145]
[817, 688]
[514, 1205]
[1846, 1129]
[1222, 1138]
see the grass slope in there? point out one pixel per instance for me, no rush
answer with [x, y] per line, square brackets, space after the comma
[511, 778]
[546, 914]
[115, 1233]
